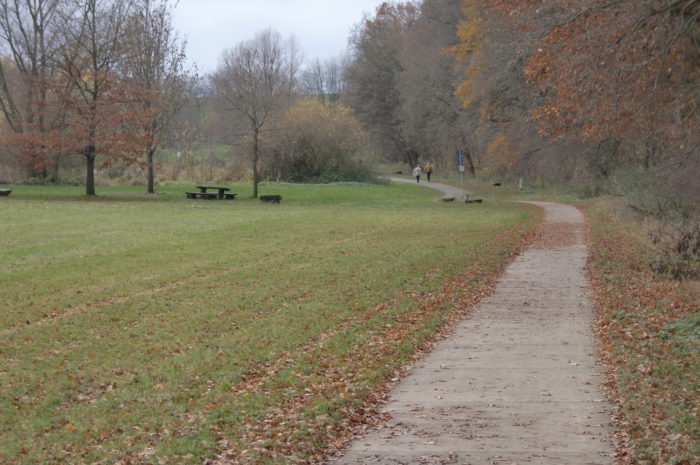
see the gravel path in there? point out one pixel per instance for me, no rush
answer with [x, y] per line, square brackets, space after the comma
[518, 382]
[447, 190]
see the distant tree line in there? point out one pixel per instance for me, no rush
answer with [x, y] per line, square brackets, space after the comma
[595, 93]
[602, 95]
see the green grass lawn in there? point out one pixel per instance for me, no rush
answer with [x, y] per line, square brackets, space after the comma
[156, 329]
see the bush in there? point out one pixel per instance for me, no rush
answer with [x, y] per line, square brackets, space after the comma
[670, 199]
[679, 248]
[317, 143]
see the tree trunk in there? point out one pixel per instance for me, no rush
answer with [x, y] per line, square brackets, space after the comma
[411, 157]
[91, 149]
[151, 172]
[55, 165]
[90, 175]
[256, 133]
[470, 162]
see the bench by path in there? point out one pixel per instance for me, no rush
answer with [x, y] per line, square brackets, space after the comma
[517, 383]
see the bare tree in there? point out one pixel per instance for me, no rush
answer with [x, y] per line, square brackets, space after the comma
[431, 115]
[314, 79]
[373, 78]
[255, 80]
[335, 75]
[156, 62]
[325, 79]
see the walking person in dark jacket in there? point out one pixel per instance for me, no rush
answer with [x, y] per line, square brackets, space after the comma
[428, 170]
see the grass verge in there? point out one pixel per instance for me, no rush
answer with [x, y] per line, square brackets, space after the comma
[650, 330]
[144, 329]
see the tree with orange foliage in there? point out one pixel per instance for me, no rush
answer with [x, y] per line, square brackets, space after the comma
[627, 68]
[95, 96]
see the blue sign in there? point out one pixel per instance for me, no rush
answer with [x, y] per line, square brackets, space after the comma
[459, 157]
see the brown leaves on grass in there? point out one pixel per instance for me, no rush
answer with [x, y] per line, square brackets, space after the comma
[556, 235]
[339, 392]
[650, 347]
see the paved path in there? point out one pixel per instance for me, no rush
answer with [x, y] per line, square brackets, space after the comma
[517, 382]
[447, 190]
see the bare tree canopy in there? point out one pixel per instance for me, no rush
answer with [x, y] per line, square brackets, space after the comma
[29, 39]
[373, 77]
[256, 80]
[156, 63]
[326, 79]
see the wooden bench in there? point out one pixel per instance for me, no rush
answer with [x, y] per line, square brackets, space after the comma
[5, 192]
[271, 198]
[221, 193]
[221, 190]
[202, 195]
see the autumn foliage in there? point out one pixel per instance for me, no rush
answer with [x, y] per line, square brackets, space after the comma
[70, 84]
[619, 67]
[617, 78]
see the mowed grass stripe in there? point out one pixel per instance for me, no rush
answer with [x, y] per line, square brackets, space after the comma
[150, 359]
[251, 251]
[89, 240]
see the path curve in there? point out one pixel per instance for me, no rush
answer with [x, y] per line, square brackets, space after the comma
[447, 190]
[518, 381]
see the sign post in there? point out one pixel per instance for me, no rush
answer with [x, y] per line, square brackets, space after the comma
[459, 158]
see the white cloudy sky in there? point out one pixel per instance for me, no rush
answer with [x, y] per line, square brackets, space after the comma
[321, 27]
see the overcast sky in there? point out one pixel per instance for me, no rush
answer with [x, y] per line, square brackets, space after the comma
[321, 27]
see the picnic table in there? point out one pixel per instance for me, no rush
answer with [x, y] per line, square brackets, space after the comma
[5, 192]
[222, 193]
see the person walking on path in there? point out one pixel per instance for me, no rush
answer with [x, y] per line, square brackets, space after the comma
[428, 170]
[417, 173]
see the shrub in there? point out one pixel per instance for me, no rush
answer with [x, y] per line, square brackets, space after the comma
[668, 197]
[679, 248]
[317, 143]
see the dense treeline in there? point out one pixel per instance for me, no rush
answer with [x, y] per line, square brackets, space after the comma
[401, 81]
[596, 93]
[602, 96]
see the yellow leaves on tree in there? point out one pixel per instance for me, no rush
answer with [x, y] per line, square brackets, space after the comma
[500, 152]
[469, 50]
[309, 118]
